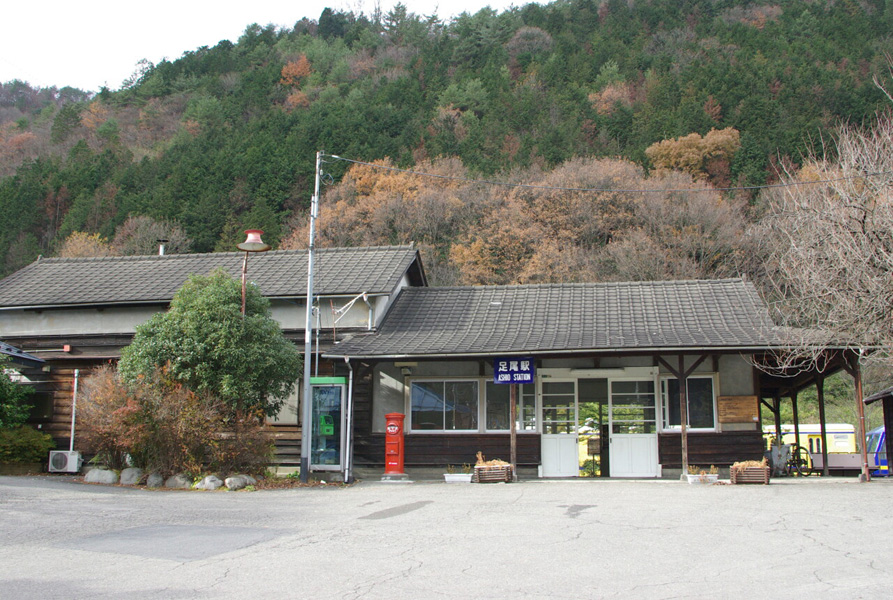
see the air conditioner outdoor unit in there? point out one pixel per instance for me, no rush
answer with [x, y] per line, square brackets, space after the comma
[64, 461]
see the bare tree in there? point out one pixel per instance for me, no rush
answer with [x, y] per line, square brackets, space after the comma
[142, 235]
[828, 240]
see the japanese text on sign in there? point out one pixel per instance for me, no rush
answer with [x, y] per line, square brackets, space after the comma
[513, 370]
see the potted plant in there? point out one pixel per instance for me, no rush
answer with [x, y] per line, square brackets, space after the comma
[453, 476]
[750, 471]
[697, 474]
[491, 471]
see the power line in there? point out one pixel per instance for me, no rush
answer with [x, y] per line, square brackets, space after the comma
[615, 190]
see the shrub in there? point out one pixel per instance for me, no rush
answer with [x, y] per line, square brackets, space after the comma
[242, 445]
[163, 426]
[13, 399]
[181, 427]
[107, 417]
[24, 444]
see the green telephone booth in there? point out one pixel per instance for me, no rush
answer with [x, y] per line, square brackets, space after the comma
[327, 423]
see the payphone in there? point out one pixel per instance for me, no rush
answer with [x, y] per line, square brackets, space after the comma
[327, 395]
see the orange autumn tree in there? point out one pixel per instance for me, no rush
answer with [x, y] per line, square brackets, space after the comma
[293, 73]
[374, 205]
[705, 157]
[81, 244]
[586, 220]
[550, 229]
[682, 229]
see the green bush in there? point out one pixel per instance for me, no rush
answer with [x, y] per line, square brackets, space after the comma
[24, 444]
[13, 398]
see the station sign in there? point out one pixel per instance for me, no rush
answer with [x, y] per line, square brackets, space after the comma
[514, 369]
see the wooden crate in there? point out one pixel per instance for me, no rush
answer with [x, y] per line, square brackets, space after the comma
[750, 475]
[492, 474]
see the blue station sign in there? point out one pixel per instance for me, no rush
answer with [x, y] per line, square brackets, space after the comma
[515, 369]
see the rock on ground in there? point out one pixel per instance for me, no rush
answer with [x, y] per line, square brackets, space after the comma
[131, 476]
[101, 476]
[211, 482]
[178, 482]
[236, 482]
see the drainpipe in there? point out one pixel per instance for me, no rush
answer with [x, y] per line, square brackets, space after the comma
[348, 427]
[74, 409]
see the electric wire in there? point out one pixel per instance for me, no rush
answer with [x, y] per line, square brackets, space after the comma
[614, 190]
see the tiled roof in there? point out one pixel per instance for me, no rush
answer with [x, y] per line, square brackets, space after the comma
[540, 319]
[142, 279]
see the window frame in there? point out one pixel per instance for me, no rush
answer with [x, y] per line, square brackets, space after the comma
[519, 406]
[411, 426]
[664, 380]
[482, 386]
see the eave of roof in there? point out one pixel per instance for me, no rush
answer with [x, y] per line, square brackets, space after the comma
[561, 319]
[141, 280]
[556, 353]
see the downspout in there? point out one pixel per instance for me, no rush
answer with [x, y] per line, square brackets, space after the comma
[348, 438]
[74, 409]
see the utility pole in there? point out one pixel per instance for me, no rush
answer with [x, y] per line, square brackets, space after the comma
[306, 408]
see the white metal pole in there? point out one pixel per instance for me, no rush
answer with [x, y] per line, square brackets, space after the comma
[74, 407]
[306, 412]
[347, 434]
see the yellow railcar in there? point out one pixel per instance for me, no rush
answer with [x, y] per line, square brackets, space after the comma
[840, 438]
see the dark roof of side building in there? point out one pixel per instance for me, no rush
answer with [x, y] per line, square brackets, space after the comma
[881, 395]
[19, 356]
[155, 279]
[561, 318]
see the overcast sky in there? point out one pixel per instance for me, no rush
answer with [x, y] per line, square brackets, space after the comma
[90, 44]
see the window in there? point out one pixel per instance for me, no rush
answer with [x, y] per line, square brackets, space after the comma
[559, 407]
[701, 403]
[456, 405]
[444, 405]
[633, 407]
[499, 405]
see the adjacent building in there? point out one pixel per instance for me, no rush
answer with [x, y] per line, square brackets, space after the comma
[653, 376]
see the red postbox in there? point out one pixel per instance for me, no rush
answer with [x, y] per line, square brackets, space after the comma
[393, 444]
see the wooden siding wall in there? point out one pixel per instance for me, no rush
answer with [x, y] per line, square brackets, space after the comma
[705, 449]
[450, 449]
[362, 401]
[58, 388]
[429, 450]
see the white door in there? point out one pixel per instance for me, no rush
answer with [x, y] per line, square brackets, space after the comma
[633, 428]
[558, 406]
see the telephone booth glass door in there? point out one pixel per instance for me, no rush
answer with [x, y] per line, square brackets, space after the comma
[327, 423]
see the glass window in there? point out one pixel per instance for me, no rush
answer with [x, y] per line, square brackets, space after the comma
[701, 403]
[499, 405]
[444, 405]
[633, 407]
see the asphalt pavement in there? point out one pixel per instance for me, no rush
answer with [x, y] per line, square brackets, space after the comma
[575, 539]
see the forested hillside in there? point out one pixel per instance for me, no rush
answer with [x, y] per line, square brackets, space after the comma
[575, 94]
